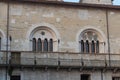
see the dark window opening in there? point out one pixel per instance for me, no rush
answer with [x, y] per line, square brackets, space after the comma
[50, 45]
[85, 77]
[93, 47]
[0, 43]
[42, 45]
[17, 77]
[82, 46]
[45, 45]
[116, 78]
[97, 47]
[87, 46]
[34, 44]
[39, 45]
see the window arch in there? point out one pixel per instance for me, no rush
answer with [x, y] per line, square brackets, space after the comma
[91, 41]
[34, 44]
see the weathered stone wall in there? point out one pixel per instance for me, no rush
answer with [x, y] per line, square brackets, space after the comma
[28, 74]
[113, 18]
[41, 74]
[3, 23]
[68, 23]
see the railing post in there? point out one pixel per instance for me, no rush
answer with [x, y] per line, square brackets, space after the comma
[7, 39]
[58, 44]
[35, 62]
[58, 60]
[82, 62]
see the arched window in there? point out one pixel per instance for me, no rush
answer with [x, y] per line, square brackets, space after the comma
[34, 44]
[51, 45]
[93, 47]
[45, 45]
[82, 46]
[0, 43]
[87, 46]
[97, 46]
[91, 41]
[45, 37]
[39, 45]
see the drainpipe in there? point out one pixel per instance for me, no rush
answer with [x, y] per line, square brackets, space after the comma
[102, 75]
[58, 44]
[7, 39]
[108, 36]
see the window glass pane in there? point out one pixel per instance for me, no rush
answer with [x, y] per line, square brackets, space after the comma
[93, 47]
[51, 45]
[97, 47]
[39, 45]
[45, 45]
[0, 43]
[87, 46]
[34, 44]
[82, 46]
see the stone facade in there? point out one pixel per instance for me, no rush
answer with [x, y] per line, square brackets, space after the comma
[26, 15]
[66, 25]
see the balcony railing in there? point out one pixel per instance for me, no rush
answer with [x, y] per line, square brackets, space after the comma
[60, 59]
